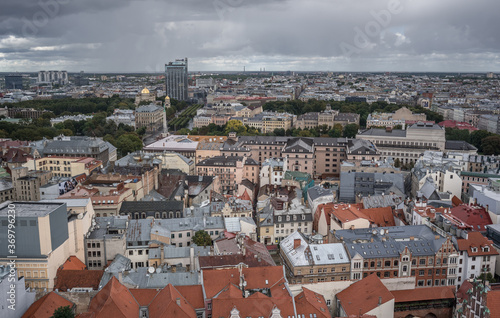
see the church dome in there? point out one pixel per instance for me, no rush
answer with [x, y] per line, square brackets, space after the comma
[167, 98]
[145, 91]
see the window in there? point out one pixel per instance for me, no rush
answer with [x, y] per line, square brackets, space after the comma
[414, 261]
[422, 261]
[387, 274]
[421, 272]
[387, 263]
[396, 263]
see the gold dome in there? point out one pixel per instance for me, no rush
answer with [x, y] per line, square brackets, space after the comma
[145, 91]
[167, 98]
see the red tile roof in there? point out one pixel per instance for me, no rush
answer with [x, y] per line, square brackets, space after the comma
[493, 303]
[256, 305]
[363, 295]
[457, 124]
[309, 302]
[215, 280]
[68, 279]
[474, 216]
[170, 303]
[423, 294]
[193, 294]
[478, 241]
[73, 263]
[16, 155]
[380, 216]
[45, 306]
[461, 292]
[114, 300]
[144, 297]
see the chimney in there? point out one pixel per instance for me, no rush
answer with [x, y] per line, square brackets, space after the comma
[178, 301]
[380, 300]
[296, 243]
[120, 277]
[162, 255]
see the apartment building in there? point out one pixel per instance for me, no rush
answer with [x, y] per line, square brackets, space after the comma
[401, 251]
[307, 262]
[477, 256]
[406, 145]
[231, 171]
[150, 117]
[63, 166]
[41, 240]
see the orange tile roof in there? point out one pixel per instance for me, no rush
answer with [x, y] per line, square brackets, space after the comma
[477, 240]
[493, 303]
[73, 263]
[380, 216]
[363, 295]
[170, 303]
[462, 291]
[68, 279]
[114, 300]
[45, 306]
[215, 280]
[309, 302]
[422, 294]
[144, 297]
[193, 294]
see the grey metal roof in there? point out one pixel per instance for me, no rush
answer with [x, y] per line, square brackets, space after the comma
[318, 191]
[29, 209]
[5, 184]
[192, 223]
[383, 133]
[151, 206]
[139, 230]
[313, 254]
[392, 243]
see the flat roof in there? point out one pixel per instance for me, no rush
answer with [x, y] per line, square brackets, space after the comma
[29, 209]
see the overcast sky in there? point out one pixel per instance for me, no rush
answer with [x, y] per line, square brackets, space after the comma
[299, 35]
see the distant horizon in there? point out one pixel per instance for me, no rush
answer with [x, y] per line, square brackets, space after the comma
[263, 72]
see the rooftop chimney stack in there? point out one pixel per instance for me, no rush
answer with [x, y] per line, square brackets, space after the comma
[296, 243]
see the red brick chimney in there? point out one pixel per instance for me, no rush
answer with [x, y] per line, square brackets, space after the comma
[296, 243]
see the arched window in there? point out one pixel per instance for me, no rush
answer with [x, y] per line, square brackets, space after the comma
[136, 216]
[143, 215]
[405, 268]
[164, 215]
[178, 214]
[157, 215]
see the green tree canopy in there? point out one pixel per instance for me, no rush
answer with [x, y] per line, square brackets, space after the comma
[63, 312]
[128, 143]
[201, 238]
[351, 130]
[491, 145]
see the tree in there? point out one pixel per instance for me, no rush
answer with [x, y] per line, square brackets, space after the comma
[491, 145]
[476, 138]
[351, 130]
[201, 238]
[63, 312]
[128, 143]
[397, 163]
[235, 126]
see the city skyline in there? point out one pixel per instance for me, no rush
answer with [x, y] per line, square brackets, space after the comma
[230, 35]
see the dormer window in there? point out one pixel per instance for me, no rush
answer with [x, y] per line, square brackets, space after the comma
[474, 249]
[486, 249]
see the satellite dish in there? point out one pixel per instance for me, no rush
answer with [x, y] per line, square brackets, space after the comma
[151, 270]
[158, 270]
[374, 232]
[382, 232]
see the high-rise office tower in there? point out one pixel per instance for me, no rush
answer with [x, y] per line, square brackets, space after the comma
[176, 79]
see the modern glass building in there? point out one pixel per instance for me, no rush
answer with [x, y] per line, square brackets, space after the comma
[176, 79]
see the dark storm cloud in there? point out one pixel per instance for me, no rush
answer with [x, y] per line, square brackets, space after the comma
[141, 35]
